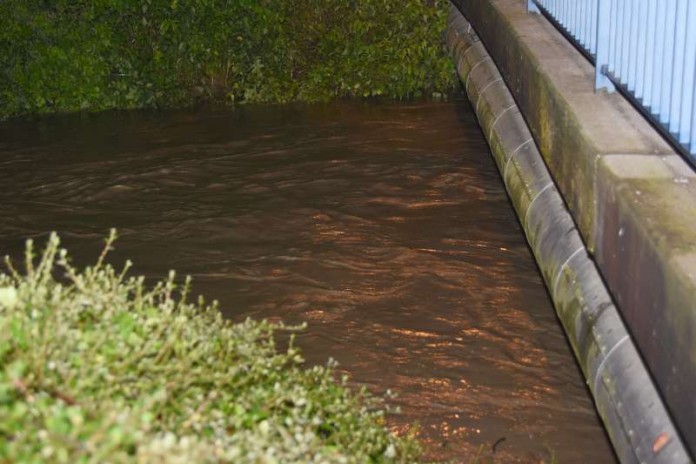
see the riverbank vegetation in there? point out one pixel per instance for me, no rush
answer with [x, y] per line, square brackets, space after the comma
[68, 55]
[96, 367]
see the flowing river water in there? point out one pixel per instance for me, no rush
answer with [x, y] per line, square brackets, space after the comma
[384, 226]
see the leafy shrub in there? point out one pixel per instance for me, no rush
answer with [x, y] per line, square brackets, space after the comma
[67, 55]
[94, 367]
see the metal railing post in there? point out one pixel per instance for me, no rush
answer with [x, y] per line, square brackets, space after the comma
[603, 13]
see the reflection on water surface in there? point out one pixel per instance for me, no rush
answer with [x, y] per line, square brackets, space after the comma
[385, 227]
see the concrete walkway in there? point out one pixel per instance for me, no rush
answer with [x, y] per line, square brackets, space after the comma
[632, 198]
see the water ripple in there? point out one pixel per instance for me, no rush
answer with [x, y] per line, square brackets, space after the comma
[385, 227]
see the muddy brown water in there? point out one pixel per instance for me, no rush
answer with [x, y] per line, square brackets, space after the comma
[384, 226]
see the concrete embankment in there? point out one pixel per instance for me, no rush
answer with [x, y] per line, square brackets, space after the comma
[608, 209]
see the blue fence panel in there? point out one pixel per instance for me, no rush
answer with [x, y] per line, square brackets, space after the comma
[645, 48]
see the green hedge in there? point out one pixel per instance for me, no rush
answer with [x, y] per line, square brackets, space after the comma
[66, 55]
[94, 367]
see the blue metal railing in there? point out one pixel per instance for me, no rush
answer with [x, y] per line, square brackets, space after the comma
[644, 48]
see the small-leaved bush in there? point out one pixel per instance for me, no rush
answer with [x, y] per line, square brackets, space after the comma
[67, 55]
[95, 367]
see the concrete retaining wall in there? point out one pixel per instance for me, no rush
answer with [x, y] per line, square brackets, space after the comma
[635, 416]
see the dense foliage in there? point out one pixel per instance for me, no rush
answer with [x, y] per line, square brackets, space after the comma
[96, 368]
[64, 55]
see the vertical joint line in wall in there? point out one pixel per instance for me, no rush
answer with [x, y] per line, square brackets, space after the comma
[536, 197]
[598, 374]
[462, 54]
[466, 84]
[560, 269]
[478, 100]
[465, 46]
[497, 118]
[459, 60]
[595, 201]
[512, 155]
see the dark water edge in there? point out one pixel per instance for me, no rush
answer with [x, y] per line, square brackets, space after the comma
[384, 226]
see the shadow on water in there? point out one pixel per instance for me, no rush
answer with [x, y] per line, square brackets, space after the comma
[384, 226]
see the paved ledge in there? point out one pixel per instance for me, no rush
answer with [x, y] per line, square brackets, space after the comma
[632, 198]
[553, 85]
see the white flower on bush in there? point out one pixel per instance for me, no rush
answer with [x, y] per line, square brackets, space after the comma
[8, 297]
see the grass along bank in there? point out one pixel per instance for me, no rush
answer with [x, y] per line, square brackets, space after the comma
[94, 366]
[68, 55]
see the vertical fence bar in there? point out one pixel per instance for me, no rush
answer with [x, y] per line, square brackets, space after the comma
[581, 22]
[692, 141]
[593, 28]
[603, 13]
[689, 78]
[625, 38]
[590, 26]
[678, 66]
[620, 26]
[611, 37]
[576, 19]
[647, 93]
[585, 24]
[659, 62]
[578, 23]
[569, 13]
[631, 72]
[641, 45]
[566, 13]
[669, 34]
